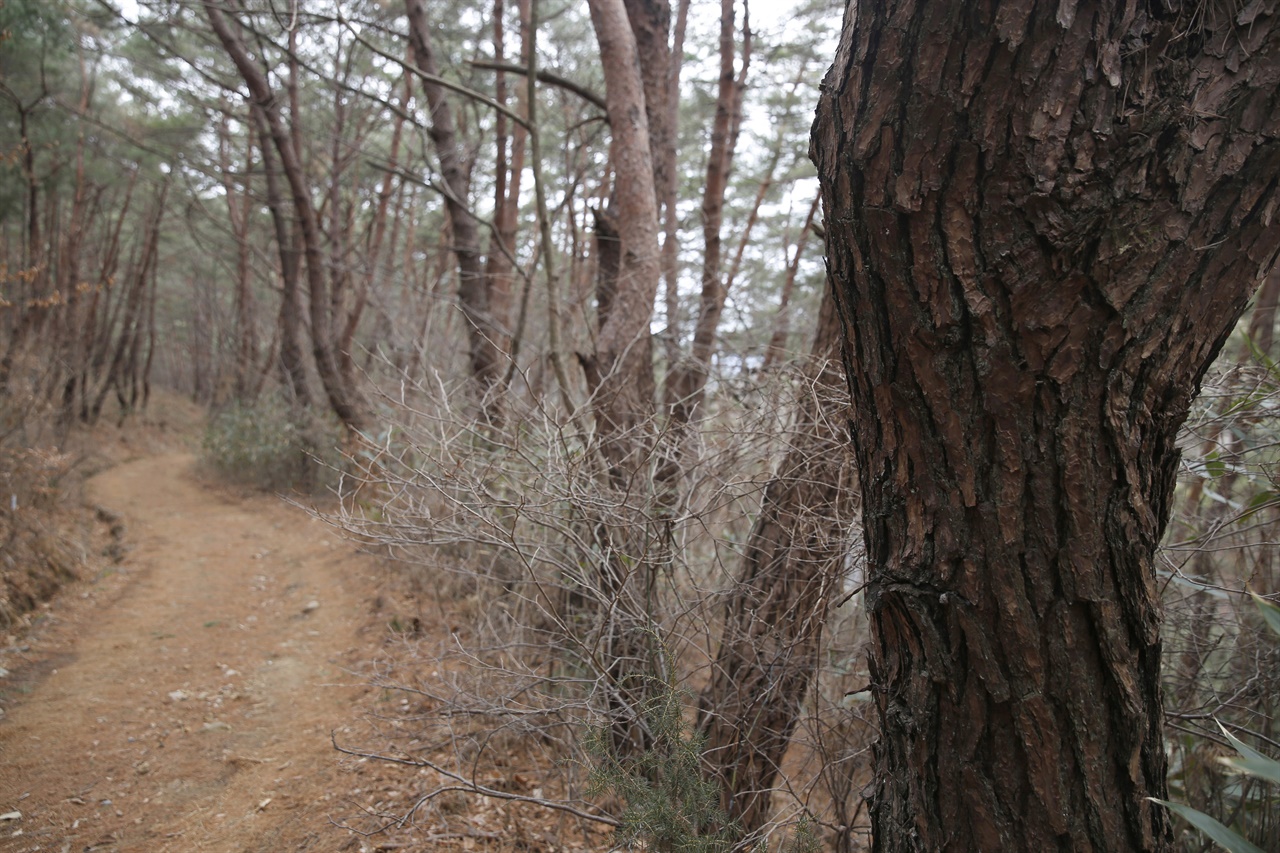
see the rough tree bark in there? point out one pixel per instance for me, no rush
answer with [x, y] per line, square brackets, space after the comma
[773, 618]
[1042, 223]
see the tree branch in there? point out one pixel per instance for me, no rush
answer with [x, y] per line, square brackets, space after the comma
[548, 78]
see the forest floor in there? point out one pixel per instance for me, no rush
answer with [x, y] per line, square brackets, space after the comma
[188, 697]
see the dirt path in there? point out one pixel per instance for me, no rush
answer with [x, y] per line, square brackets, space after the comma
[194, 711]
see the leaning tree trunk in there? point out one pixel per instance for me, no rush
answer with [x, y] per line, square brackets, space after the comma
[790, 567]
[1043, 222]
[290, 319]
[344, 401]
[485, 332]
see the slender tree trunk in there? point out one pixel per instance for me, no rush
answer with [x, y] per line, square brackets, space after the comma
[35, 252]
[670, 196]
[651, 25]
[1042, 223]
[238, 208]
[509, 167]
[292, 358]
[33, 255]
[484, 336]
[347, 295]
[144, 374]
[777, 347]
[344, 402]
[508, 219]
[70, 344]
[687, 383]
[124, 358]
[620, 372]
[93, 340]
[378, 270]
[793, 561]
[623, 359]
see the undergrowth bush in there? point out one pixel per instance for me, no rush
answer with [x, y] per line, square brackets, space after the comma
[1221, 670]
[38, 551]
[670, 805]
[270, 445]
[585, 613]
[41, 540]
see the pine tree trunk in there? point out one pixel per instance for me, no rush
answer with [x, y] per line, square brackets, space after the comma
[290, 317]
[620, 372]
[343, 400]
[1042, 224]
[687, 382]
[483, 334]
[621, 360]
[792, 563]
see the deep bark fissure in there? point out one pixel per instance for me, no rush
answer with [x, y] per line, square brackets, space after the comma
[1037, 252]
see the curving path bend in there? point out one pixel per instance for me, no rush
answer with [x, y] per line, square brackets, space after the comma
[193, 710]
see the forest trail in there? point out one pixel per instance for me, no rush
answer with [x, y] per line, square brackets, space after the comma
[193, 712]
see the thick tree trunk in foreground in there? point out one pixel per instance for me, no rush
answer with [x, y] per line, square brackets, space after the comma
[792, 564]
[1041, 227]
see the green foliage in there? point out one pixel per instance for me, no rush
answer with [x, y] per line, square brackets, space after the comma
[34, 41]
[805, 838]
[1250, 761]
[1228, 839]
[670, 806]
[1270, 612]
[271, 446]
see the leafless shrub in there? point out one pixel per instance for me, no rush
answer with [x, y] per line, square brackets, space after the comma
[505, 520]
[1220, 662]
